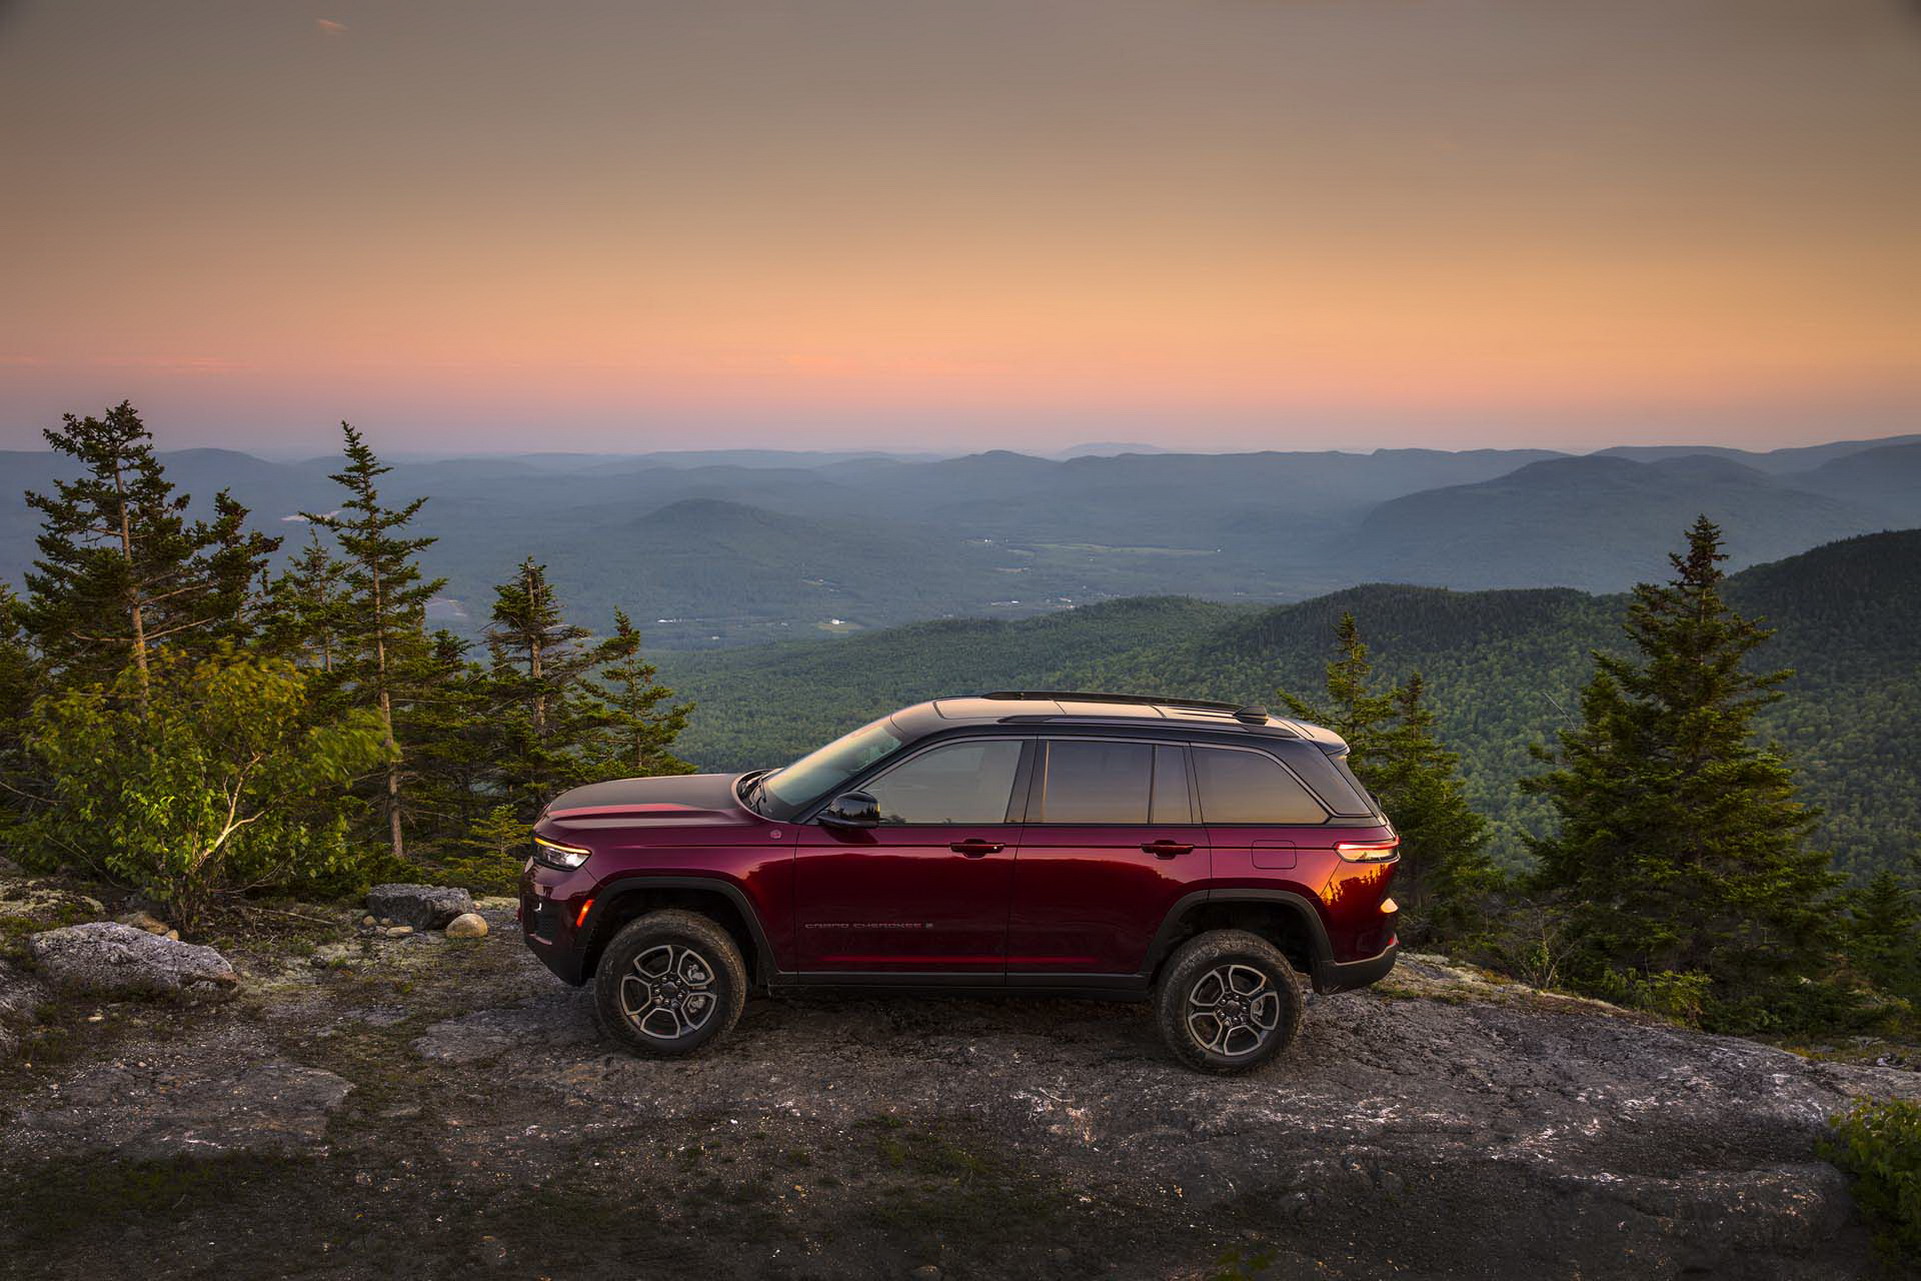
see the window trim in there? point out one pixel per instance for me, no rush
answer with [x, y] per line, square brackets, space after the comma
[1016, 792]
[1194, 767]
[1036, 808]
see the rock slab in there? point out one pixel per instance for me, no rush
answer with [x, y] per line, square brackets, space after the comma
[425, 907]
[106, 956]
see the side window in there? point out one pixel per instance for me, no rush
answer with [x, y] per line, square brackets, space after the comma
[1092, 781]
[958, 783]
[1251, 787]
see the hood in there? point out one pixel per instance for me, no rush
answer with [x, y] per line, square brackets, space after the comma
[667, 798]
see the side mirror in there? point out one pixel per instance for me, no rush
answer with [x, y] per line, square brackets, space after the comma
[852, 809]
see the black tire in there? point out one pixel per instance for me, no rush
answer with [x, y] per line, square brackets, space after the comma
[669, 983]
[1258, 1016]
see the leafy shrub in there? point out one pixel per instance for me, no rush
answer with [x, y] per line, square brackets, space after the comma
[215, 778]
[1879, 1143]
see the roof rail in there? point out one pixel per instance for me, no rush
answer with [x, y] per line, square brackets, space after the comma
[1146, 700]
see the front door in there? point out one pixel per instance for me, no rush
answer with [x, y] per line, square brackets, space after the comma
[926, 892]
[1110, 845]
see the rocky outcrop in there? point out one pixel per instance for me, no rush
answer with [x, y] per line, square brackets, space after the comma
[115, 959]
[425, 907]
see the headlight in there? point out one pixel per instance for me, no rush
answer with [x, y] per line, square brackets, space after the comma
[554, 854]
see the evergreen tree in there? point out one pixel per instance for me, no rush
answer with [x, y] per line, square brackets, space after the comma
[235, 566]
[1884, 932]
[547, 711]
[1681, 845]
[1354, 709]
[309, 609]
[22, 680]
[384, 647]
[451, 739]
[120, 567]
[1445, 872]
[638, 729]
[1393, 749]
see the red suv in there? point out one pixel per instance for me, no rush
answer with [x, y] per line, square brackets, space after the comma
[1206, 856]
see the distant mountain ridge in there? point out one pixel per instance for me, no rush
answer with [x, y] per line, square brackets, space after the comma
[1010, 534]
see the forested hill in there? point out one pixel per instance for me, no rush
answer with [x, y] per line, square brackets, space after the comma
[1505, 668]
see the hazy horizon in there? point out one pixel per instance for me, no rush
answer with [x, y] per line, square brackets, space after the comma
[854, 224]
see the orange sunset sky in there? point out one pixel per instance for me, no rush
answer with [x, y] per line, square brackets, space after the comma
[947, 224]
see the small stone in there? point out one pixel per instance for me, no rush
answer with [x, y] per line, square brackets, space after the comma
[369, 920]
[468, 925]
[172, 935]
[399, 931]
[926, 1272]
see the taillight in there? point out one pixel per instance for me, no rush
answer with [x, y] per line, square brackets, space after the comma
[1368, 851]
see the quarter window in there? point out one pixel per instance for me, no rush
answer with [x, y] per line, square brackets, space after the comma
[960, 783]
[1251, 787]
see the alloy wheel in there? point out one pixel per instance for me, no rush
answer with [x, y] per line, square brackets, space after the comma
[669, 992]
[1232, 1010]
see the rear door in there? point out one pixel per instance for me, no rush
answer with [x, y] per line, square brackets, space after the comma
[1110, 844]
[927, 891]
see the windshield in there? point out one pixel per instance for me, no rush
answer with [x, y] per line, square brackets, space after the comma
[826, 769]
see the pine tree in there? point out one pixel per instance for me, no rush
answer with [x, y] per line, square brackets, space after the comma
[22, 680]
[385, 645]
[1884, 932]
[236, 565]
[308, 609]
[1393, 749]
[120, 567]
[639, 730]
[1445, 870]
[452, 741]
[1681, 847]
[547, 711]
[1355, 710]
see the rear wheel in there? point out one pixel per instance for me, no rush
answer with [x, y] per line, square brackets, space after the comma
[1228, 1002]
[669, 983]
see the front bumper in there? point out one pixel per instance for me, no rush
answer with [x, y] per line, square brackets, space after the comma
[1345, 976]
[552, 920]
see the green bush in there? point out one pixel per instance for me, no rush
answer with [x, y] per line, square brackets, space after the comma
[1879, 1143]
[210, 779]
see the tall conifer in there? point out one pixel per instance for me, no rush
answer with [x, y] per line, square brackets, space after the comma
[639, 730]
[121, 568]
[1394, 750]
[1682, 848]
[386, 640]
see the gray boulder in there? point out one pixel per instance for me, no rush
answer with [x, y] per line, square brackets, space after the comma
[106, 956]
[425, 907]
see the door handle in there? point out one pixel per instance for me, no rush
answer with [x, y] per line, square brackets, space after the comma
[974, 847]
[1165, 849]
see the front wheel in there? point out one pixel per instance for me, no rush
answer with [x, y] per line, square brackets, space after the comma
[669, 983]
[1228, 1002]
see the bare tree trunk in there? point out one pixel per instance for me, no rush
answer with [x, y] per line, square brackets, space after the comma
[134, 610]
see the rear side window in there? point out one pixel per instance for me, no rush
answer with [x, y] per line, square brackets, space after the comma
[1097, 782]
[967, 782]
[1251, 787]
